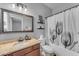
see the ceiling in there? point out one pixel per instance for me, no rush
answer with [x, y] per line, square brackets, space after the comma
[56, 7]
[59, 5]
[53, 7]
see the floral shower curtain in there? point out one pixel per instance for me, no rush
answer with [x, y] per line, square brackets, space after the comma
[52, 21]
[70, 20]
[51, 25]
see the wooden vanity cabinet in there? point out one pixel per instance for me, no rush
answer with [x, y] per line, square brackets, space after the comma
[34, 53]
[30, 51]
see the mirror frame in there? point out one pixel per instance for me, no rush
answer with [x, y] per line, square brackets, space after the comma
[2, 10]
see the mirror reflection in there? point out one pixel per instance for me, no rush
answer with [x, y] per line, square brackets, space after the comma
[16, 22]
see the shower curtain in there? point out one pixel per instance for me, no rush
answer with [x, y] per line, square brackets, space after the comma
[70, 20]
[52, 21]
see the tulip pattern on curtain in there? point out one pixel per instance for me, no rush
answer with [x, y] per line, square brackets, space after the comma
[70, 21]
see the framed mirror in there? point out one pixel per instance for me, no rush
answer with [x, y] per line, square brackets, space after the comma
[16, 22]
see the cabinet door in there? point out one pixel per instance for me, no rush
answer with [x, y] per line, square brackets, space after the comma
[22, 52]
[34, 53]
[37, 46]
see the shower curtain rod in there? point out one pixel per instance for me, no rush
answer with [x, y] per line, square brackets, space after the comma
[62, 11]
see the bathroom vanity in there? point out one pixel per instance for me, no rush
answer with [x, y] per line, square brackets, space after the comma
[25, 48]
[12, 22]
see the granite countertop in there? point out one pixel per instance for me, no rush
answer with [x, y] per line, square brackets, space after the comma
[10, 47]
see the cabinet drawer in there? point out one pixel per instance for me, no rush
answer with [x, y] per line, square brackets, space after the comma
[22, 52]
[37, 46]
[34, 53]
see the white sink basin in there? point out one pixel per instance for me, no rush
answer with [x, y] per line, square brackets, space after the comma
[20, 45]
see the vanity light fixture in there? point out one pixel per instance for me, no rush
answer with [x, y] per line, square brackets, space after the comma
[20, 6]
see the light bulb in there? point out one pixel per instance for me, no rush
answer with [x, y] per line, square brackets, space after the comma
[20, 8]
[13, 5]
[25, 9]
